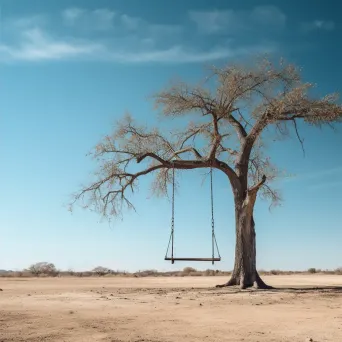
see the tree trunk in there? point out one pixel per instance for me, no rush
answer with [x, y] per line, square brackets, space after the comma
[245, 274]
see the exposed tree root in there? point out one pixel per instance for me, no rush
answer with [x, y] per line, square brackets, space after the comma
[232, 282]
[258, 284]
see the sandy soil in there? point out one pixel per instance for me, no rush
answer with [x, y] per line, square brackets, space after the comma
[170, 309]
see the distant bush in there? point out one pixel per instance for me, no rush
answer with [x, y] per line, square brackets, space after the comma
[209, 273]
[338, 271]
[147, 273]
[188, 270]
[101, 271]
[329, 272]
[84, 274]
[70, 272]
[262, 272]
[43, 269]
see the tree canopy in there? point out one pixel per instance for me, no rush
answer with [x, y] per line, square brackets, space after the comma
[225, 135]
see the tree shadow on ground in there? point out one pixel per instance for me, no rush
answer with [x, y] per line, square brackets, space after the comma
[306, 289]
[281, 289]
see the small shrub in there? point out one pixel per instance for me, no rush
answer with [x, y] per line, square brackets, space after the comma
[328, 272]
[147, 273]
[210, 273]
[312, 270]
[188, 270]
[43, 269]
[70, 272]
[338, 271]
[101, 271]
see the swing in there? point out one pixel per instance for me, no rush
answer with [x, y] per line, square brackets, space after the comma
[172, 235]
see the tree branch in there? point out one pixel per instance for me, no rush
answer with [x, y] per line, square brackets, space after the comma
[298, 136]
[152, 155]
[240, 130]
[257, 186]
[188, 149]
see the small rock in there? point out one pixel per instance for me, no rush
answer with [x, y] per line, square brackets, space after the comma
[201, 304]
[28, 294]
[309, 339]
[1, 290]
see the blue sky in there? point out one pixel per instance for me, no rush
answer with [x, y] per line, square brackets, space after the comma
[70, 69]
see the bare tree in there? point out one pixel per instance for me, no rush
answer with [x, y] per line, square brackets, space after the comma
[45, 268]
[231, 121]
[101, 271]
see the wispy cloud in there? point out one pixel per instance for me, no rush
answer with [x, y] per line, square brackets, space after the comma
[99, 19]
[322, 25]
[324, 173]
[326, 185]
[72, 15]
[38, 46]
[131, 23]
[317, 175]
[103, 34]
[21, 23]
[323, 179]
[181, 54]
[232, 21]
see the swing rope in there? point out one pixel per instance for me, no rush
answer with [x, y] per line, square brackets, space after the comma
[213, 237]
[172, 235]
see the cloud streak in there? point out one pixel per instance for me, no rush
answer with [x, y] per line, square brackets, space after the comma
[320, 177]
[106, 35]
[326, 185]
[318, 25]
[37, 46]
[324, 173]
[232, 21]
[101, 19]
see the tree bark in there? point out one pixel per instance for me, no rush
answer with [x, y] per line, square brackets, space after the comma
[245, 274]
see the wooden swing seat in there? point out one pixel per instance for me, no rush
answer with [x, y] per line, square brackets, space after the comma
[192, 259]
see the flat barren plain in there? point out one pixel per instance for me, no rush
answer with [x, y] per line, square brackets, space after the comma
[170, 309]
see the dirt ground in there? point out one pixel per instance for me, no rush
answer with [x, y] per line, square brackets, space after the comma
[303, 307]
